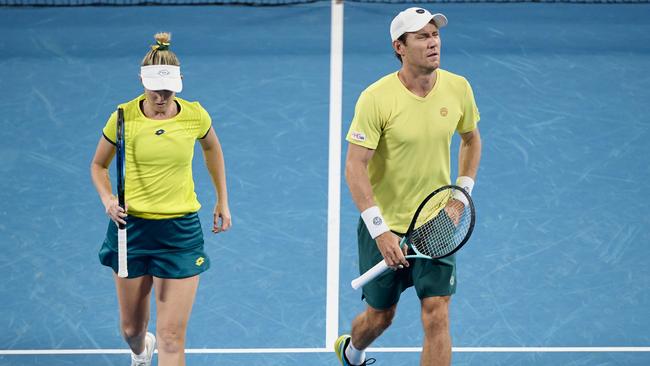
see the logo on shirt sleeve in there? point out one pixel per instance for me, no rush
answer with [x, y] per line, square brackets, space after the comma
[359, 136]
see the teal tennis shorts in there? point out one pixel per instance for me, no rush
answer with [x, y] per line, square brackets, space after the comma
[169, 248]
[435, 277]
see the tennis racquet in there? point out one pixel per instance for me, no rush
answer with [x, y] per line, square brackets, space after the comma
[441, 225]
[120, 164]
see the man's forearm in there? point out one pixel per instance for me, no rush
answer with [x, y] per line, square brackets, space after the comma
[469, 156]
[356, 175]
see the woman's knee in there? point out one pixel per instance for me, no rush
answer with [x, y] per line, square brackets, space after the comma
[171, 339]
[133, 329]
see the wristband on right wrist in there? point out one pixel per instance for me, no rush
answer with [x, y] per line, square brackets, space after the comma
[465, 183]
[374, 221]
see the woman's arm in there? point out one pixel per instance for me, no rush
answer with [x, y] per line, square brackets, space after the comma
[101, 179]
[214, 161]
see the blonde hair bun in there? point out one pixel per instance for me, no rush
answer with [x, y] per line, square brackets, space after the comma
[163, 37]
[160, 54]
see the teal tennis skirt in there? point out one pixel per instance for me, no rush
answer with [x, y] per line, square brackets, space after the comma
[169, 248]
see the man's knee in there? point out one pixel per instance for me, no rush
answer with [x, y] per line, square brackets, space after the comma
[435, 314]
[381, 318]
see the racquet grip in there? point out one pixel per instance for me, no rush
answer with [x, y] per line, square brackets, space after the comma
[122, 270]
[370, 275]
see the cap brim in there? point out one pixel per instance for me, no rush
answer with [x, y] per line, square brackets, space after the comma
[440, 20]
[171, 84]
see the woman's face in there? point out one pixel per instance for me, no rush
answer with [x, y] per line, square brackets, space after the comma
[159, 100]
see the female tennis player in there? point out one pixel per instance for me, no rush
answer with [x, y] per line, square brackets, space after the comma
[165, 240]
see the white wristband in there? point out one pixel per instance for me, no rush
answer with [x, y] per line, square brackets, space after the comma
[374, 221]
[465, 183]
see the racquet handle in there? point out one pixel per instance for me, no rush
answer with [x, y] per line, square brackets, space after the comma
[121, 254]
[370, 275]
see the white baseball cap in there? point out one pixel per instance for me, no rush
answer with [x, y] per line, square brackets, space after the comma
[162, 77]
[412, 20]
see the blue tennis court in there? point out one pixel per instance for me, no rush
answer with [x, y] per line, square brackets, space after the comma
[556, 271]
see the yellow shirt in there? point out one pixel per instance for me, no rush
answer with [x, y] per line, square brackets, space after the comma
[158, 179]
[411, 137]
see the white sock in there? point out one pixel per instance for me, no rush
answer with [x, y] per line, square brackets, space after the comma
[355, 356]
[140, 357]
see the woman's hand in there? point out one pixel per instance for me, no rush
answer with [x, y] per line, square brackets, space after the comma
[222, 219]
[114, 211]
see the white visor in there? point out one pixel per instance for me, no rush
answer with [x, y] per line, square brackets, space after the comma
[414, 19]
[162, 77]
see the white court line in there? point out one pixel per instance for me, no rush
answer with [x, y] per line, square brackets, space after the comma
[328, 350]
[334, 173]
[518, 349]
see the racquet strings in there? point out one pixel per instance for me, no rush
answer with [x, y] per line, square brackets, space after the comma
[445, 225]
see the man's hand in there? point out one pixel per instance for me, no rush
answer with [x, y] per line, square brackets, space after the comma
[388, 245]
[454, 209]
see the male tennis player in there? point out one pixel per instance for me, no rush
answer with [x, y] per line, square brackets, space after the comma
[165, 246]
[399, 151]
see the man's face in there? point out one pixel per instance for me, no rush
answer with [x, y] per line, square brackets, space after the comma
[422, 48]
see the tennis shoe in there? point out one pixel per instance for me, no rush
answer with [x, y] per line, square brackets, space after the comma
[339, 347]
[149, 347]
